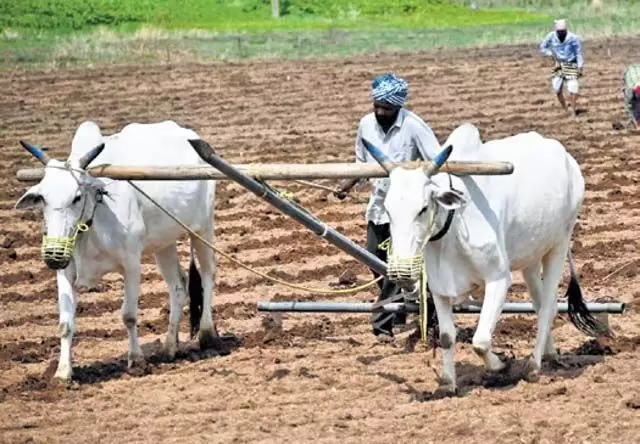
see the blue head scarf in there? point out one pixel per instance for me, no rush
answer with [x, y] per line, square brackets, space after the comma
[390, 89]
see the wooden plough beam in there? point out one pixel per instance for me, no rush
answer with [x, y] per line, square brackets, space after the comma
[271, 171]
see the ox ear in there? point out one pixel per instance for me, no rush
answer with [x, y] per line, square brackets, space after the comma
[32, 198]
[450, 199]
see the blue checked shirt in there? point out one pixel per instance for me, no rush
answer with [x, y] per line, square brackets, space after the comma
[410, 138]
[569, 51]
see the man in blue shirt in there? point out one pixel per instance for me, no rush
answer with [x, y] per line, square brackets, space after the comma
[565, 48]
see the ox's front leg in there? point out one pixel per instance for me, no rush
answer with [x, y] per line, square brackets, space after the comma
[495, 293]
[130, 308]
[67, 303]
[444, 308]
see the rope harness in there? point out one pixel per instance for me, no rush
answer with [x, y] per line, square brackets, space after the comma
[60, 248]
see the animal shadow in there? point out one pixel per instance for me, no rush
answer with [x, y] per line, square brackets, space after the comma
[155, 362]
[568, 365]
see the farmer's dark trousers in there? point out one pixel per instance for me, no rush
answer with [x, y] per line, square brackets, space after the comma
[382, 322]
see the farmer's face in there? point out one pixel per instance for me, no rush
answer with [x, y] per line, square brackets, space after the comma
[385, 114]
[562, 34]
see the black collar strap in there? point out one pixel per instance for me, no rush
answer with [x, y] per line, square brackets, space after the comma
[447, 224]
[99, 199]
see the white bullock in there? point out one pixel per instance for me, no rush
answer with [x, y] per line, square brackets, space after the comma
[97, 225]
[484, 227]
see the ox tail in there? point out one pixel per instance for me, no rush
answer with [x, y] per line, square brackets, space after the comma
[579, 313]
[195, 296]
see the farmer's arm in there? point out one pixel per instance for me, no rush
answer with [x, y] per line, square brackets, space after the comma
[579, 52]
[545, 46]
[426, 142]
[347, 184]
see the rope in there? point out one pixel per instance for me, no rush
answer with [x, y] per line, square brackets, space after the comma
[246, 267]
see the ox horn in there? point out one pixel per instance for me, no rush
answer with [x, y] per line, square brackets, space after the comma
[36, 152]
[85, 160]
[438, 161]
[380, 157]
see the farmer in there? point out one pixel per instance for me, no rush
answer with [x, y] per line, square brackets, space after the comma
[631, 90]
[402, 136]
[565, 48]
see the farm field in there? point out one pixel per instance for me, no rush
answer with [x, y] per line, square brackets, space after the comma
[321, 378]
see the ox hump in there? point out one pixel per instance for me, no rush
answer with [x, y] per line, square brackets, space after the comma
[86, 137]
[466, 142]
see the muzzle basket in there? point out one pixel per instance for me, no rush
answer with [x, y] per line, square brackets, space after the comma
[405, 269]
[60, 249]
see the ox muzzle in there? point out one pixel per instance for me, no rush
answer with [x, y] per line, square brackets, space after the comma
[58, 251]
[405, 272]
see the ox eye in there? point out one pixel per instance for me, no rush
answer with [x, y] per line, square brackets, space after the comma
[76, 199]
[424, 209]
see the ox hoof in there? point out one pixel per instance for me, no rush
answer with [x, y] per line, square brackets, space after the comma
[170, 349]
[491, 361]
[531, 371]
[446, 390]
[209, 339]
[551, 356]
[135, 359]
[63, 374]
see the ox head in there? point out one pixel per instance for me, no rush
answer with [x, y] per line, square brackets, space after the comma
[67, 197]
[410, 203]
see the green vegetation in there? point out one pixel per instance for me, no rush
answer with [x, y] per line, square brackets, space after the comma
[248, 15]
[60, 32]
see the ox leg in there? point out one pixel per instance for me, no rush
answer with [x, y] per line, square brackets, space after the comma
[495, 293]
[444, 309]
[67, 303]
[535, 286]
[208, 334]
[553, 264]
[130, 310]
[169, 265]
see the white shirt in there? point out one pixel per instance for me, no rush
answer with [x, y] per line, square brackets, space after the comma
[409, 138]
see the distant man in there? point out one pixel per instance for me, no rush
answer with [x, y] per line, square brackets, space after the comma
[565, 48]
[402, 136]
[631, 90]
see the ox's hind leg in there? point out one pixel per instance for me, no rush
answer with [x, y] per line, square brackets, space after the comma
[444, 309]
[130, 308]
[169, 266]
[535, 286]
[208, 334]
[495, 293]
[552, 264]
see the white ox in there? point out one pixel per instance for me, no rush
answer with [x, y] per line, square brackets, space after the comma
[115, 225]
[500, 223]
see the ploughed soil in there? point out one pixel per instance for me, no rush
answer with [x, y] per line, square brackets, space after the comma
[316, 378]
